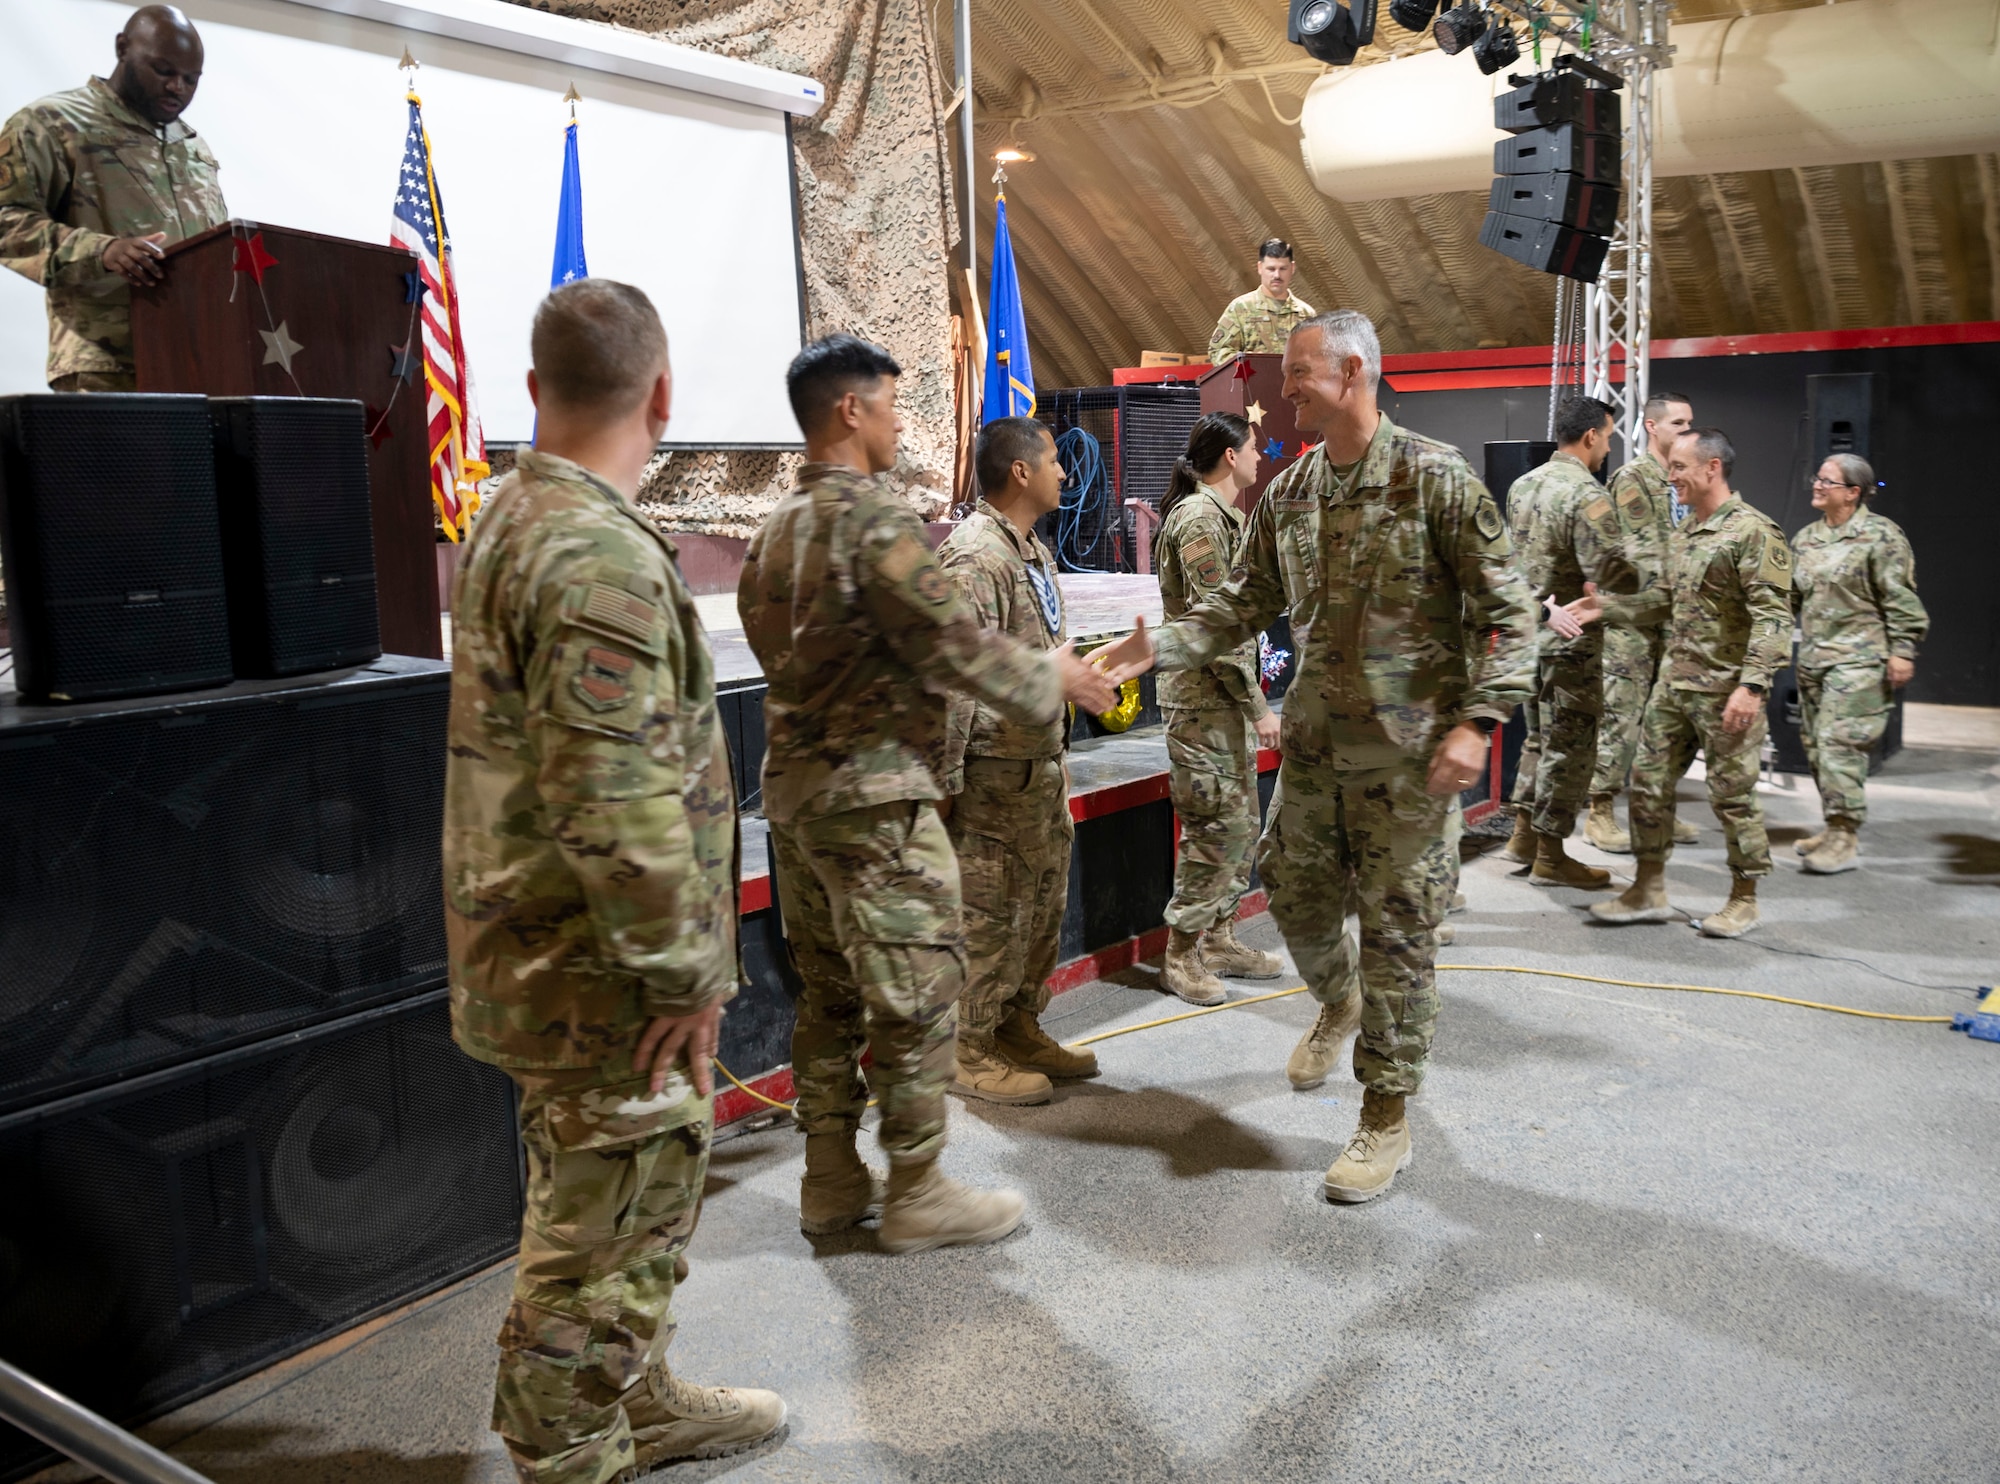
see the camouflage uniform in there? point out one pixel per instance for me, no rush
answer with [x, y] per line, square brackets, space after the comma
[1564, 535]
[1727, 586]
[1643, 502]
[1396, 576]
[1854, 588]
[1210, 714]
[1255, 323]
[1010, 823]
[590, 885]
[861, 636]
[78, 169]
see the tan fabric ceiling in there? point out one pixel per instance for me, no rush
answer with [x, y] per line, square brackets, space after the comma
[1163, 156]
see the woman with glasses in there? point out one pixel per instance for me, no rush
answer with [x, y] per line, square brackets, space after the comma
[1854, 589]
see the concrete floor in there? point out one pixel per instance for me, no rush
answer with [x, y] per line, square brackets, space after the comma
[1647, 1235]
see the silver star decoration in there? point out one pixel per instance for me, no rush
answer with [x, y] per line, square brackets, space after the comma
[280, 347]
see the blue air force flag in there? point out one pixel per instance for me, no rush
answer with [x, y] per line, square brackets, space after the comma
[569, 264]
[1010, 379]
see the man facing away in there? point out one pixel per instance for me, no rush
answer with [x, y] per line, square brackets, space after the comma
[1642, 499]
[589, 856]
[1564, 534]
[861, 637]
[1263, 319]
[1008, 785]
[1415, 640]
[1728, 597]
[95, 182]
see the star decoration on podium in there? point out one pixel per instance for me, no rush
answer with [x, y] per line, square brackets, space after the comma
[1243, 371]
[405, 362]
[1255, 412]
[378, 426]
[1273, 449]
[251, 257]
[413, 287]
[279, 347]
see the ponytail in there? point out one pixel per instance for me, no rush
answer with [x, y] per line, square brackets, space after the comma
[1214, 434]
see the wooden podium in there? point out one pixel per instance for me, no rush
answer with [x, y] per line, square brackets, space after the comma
[254, 310]
[1253, 386]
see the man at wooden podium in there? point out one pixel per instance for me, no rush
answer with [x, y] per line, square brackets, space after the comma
[95, 183]
[1261, 321]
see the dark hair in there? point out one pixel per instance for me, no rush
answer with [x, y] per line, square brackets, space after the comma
[597, 346]
[1579, 415]
[830, 368]
[1713, 443]
[1215, 434]
[1000, 443]
[1658, 403]
[1273, 247]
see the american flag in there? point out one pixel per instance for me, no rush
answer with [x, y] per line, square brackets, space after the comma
[458, 450]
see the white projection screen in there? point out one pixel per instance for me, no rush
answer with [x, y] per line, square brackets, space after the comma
[690, 197]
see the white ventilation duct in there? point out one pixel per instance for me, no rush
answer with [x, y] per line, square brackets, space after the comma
[1830, 85]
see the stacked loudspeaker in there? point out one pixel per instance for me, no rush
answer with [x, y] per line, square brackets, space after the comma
[1555, 202]
[232, 1119]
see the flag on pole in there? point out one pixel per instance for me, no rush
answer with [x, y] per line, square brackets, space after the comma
[569, 264]
[1010, 380]
[457, 449]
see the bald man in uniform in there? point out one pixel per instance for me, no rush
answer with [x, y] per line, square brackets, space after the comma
[94, 185]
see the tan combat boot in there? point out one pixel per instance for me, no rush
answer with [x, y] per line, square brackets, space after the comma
[1226, 954]
[1319, 1047]
[927, 1208]
[1380, 1147]
[1837, 849]
[1738, 915]
[1553, 867]
[1684, 831]
[1023, 1042]
[1185, 974]
[985, 1074]
[1645, 900]
[1601, 829]
[672, 1418]
[1812, 842]
[1520, 845]
[837, 1190]
[1457, 902]
[1447, 935]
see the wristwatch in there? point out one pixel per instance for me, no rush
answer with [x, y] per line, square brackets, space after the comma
[1485, 724]
[1754, 688]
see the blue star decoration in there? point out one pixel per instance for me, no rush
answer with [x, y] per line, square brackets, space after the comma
[413, 287]
[405, 362]
[1273, 449]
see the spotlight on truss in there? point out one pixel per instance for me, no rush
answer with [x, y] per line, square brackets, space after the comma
[1413, 15]
[1331, 33]
[1498, 48]
[1458, 28]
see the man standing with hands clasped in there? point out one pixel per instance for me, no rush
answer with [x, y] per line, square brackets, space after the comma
[1415, 640]
[1729, 629]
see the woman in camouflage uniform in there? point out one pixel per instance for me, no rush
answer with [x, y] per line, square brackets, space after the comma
[1216, 719]
[1854, 589]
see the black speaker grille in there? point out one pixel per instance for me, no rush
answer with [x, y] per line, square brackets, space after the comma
[112, 548]
[179, 877]
[297, 532]
[1155, 422]
[158, 1242]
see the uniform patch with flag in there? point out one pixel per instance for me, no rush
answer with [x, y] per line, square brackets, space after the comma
[457, 448]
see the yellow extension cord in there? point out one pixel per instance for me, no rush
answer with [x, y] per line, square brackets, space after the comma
[1279, 994]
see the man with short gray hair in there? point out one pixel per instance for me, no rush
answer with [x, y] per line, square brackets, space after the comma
[1415, 640]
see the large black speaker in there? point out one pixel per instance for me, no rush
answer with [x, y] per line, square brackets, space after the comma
[298, 543]
[163, 1238]
[1546, 245]
[112, 551]
[1840, 409]
[200, 871]
[1556, 196]
[1508, 461]
[1564, 147]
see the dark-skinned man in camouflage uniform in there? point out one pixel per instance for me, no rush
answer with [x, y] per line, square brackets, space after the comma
[1415, 639]
[1728, 597]
[590, 893]
[95, 183]
[861, 637]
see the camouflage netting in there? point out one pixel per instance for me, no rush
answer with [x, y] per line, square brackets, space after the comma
[875, 206]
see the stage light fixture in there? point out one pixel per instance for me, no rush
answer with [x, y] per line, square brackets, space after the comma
[1412, 15]
[1498, 48]
[1458, 28]
[1331, 33]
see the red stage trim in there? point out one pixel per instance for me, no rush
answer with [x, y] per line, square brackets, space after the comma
[754, 895]
[733, 1103]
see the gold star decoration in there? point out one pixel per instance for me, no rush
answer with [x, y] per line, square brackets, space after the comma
[1255, 412]
[279, 346]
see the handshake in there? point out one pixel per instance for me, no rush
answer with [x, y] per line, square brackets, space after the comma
[1092, 680]
[1569, 619]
